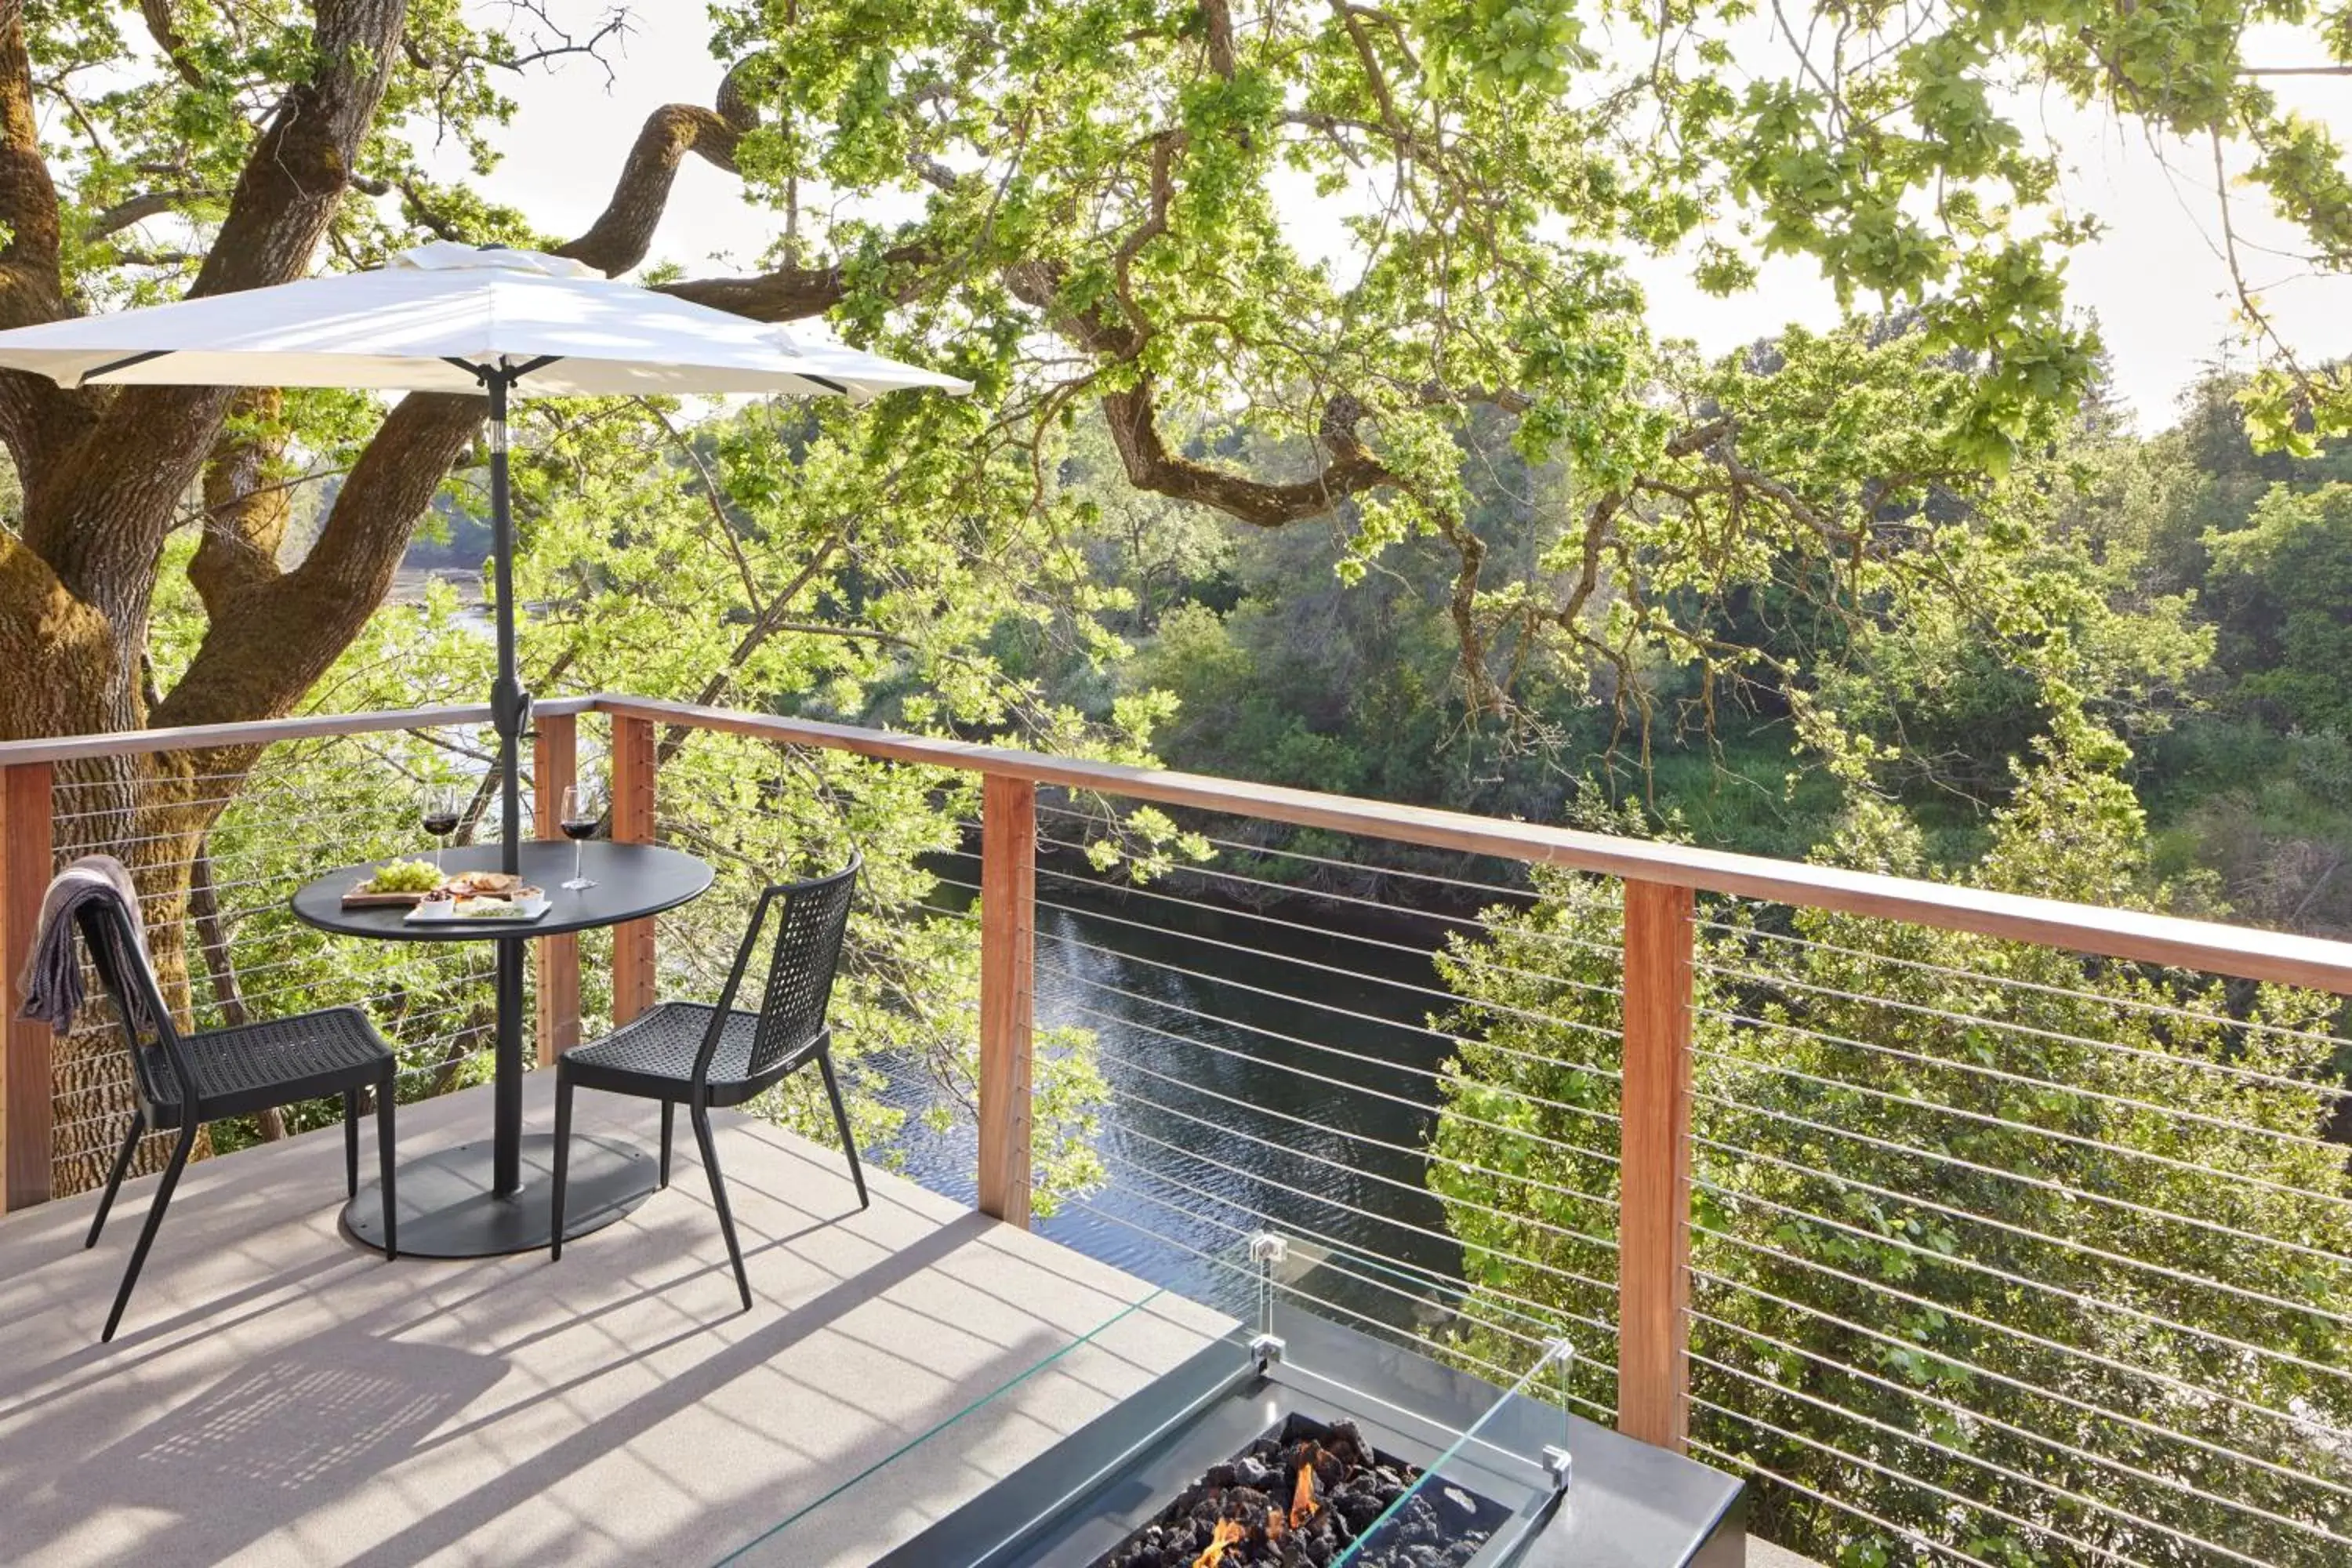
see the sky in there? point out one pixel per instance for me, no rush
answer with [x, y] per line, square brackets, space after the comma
[2161, 295]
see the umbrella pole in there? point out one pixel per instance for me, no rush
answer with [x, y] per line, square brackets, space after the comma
[509, 704]
[510, 711]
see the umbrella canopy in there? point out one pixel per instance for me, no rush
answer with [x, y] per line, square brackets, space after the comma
[456, 318]
[451, 317]
[426, 321]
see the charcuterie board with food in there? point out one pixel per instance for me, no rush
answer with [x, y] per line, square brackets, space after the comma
[419, 886]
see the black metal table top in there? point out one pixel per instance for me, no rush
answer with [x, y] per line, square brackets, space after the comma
[632, 881]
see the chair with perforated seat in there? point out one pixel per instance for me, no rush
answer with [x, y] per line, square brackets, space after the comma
[702, 1056]
[183, 1082]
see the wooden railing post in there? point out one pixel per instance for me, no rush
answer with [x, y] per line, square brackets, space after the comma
[1653, 1236]
[555, 768]
[26, 850]
[1008, 926]
[633, 764]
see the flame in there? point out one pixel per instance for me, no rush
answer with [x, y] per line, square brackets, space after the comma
[1302, 1497]
[1229, 1533]
[1274, 1524]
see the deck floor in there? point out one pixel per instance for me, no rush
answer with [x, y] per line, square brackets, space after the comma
[277, 1395]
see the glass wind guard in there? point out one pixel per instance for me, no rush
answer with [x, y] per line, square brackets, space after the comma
[1477, 1500]
[1050, 1367]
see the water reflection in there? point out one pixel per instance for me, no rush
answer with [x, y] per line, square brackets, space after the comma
[1262, 1076]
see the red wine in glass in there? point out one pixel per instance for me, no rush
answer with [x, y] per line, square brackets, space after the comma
[582, 814]
[437, 815]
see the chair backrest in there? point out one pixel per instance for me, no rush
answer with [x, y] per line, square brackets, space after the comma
[116, 952]
[812, 918]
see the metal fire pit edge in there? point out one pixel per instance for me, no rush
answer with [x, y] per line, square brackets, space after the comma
[1628, 1505]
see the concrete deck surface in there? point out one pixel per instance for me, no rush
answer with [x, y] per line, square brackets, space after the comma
[277, 1395]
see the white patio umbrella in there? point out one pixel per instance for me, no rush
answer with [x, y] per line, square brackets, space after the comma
[455, 318]
[452, 318]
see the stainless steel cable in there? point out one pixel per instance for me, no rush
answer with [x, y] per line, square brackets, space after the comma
[1419, 954]
[2030, 1527]
[1986, 1118]
[2002, 1074]
[1446, 997]
[2196, 1391]
[1432, 1073]
[1738, 1151]
[2015, 1477]
[2303, 1475]
[1741, 1462]
[2134, 1003]
[1251, 1277]
[1464, 1117]
[1519, 1306]
[1133, 1066]
[1608, 1291]
[1296, 1233]
[1265, 851]
[1398, 1023]
[2077, 1297]
[1157, 1109]
[2021, 1178]
[1973, 1414]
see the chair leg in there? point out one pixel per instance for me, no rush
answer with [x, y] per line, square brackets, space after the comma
[383, 1152]
[350, 1143]
[114, 1179]
[668, 1105]
[841, 1123]
[700, 1117]
[562, 1163]
[155, 1219]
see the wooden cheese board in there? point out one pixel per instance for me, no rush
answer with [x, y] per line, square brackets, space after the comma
[463, 885]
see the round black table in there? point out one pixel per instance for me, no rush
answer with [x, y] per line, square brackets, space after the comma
[480, 1200]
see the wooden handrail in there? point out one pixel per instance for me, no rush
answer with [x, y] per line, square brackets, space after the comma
[2244, 951]
[2240, 950]
[262, 731]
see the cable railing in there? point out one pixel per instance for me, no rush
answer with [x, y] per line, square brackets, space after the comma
[1970, 1228]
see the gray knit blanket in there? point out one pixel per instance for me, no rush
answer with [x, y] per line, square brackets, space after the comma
[51, 983]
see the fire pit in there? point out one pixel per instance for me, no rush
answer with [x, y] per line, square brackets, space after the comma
[1296, 1442]
[1303, 1493]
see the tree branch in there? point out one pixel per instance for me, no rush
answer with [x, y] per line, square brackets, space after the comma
[244, 516]
[624, 231]
[137, 209]
[98, 513]
[272, 638]
[157, 14]
[797, 293]
[289, 188]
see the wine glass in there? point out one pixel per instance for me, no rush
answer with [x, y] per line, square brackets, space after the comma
[436, 812]
[583, 812]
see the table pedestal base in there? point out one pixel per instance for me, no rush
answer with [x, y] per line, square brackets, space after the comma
[447, 1209]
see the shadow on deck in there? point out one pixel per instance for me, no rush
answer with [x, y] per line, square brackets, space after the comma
[278, 1396]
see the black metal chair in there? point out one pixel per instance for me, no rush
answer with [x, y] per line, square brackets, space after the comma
[186, 1080]
[706, 1055]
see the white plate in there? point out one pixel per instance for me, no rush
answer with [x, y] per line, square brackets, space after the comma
[445, 913]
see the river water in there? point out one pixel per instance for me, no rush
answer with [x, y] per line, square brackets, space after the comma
[1262, 1076]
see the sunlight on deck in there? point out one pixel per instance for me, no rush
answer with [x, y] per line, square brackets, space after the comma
[277, 1395]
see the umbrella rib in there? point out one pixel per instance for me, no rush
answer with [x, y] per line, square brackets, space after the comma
[125, 363]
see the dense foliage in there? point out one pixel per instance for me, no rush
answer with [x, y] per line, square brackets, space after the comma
[1983, 1230]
